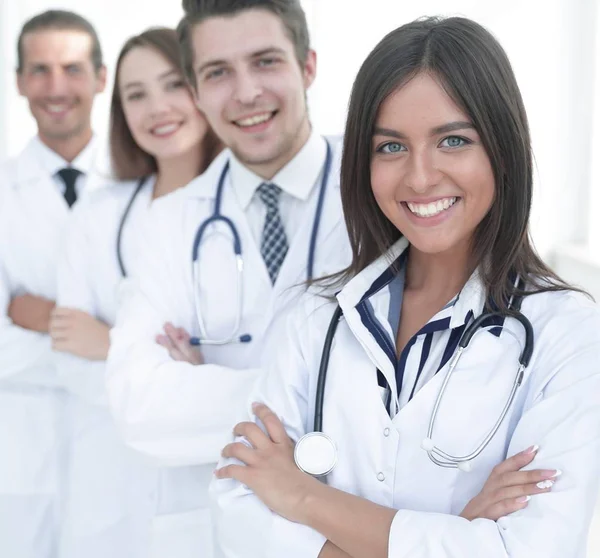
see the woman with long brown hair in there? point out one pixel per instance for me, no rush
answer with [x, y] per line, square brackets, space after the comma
[159, 142]
[448, 391]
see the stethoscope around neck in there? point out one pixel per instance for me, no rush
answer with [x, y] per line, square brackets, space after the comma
[316, 453]
[141, 182]
[217, 217]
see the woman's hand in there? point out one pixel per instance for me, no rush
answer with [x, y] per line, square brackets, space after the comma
[76, 332]
[269, 469]
[508, 489]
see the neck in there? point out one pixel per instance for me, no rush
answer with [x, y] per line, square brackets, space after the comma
[67, 148]
[173, 173]
[270, 169]
[442, 275]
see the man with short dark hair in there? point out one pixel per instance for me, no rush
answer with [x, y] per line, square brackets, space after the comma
[59, 72]
[277, 186]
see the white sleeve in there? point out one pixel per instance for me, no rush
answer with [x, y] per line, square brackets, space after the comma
[564, 420]
[25, 356]
[79, 376]
[244, 526]
[176, 413]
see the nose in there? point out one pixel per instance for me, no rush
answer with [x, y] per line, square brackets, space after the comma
[57, 84]
[422, 171]
[247, 87]
[157, 105]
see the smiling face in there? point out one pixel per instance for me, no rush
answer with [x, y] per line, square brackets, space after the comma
[252, 88]
[158, 105]
[60, 82]
[430, 173]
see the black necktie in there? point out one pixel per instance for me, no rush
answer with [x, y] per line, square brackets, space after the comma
[69, 176]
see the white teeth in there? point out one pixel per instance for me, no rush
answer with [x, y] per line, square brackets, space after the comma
[165, 130]
[254, 120]
[56, 108]
[431, 209]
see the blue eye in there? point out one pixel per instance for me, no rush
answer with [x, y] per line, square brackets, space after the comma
[214, 74]
[454, 141]
[391, 147]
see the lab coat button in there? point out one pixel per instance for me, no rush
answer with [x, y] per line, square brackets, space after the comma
[380, 477]
[386, 432]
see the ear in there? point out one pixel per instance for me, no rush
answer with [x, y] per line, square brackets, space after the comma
[101, 80]
[310, 68]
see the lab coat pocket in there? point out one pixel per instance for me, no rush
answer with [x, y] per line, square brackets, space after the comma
[185, 535]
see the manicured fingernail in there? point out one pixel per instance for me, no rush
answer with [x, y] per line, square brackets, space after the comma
[545, 484]
[557, 473]
[523, 499]
[532, 449]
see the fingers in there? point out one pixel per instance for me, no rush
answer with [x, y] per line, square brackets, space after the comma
[237, 472]
[181, 346]
[253, 434]
[274, 426]
[241, 452]
[520, 478]
[516, 462]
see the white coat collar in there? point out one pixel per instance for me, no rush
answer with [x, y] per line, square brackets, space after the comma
[365, 302]
[37, 161]
[297, 178]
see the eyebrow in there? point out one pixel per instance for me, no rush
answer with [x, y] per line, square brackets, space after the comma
[257, 54]
[161, 77]
[438, 130]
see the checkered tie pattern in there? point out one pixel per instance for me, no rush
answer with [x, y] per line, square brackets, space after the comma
[273, 244]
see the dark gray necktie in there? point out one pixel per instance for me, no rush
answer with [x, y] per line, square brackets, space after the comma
[69, 176]
[273, 244]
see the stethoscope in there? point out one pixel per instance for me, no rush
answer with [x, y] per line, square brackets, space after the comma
[137, 190]
[217, 217]
[316, 453]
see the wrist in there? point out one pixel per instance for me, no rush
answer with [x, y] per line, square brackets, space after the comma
[312, 501]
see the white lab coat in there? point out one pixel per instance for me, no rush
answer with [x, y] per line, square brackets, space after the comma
[557, 408]
[33, 214]
[110, 489]
[182, 414]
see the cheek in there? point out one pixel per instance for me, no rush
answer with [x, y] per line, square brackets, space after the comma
[134, 116]
[384, 182]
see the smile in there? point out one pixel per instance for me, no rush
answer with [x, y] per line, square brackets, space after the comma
[255, 120]
[431, 209]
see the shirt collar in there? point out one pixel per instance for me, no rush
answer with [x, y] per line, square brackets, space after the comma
[297, 178]
[371, 284]
[52, 162]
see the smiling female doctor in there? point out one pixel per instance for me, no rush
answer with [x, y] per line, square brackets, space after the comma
[159, 142]
[436, 187]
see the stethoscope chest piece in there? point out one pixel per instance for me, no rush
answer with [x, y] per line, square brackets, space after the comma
[315, 454]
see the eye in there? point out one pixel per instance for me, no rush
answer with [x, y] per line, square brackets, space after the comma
[391, 147]
[73, 69]
[135, 96]
[177, 84]
[266, 62]
[214, 74]
[454, 142]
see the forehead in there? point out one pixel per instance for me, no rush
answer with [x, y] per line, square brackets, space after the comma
[54, 46]
[422, 101]
[238, 36]
[143, 64]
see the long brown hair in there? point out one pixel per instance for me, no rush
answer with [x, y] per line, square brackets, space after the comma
[476, 73]
[129, 160]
